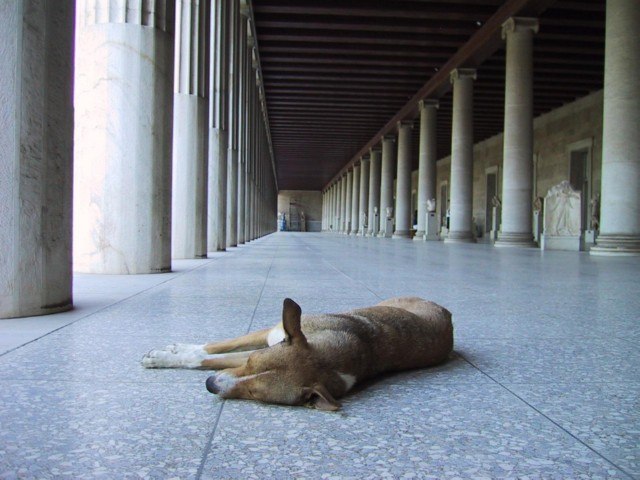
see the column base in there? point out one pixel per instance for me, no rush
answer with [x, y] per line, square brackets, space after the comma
[460, 237]
[616, 245]
[522, 240]
[401, 234]
[419, 236]
[354, 232]
[36, 311]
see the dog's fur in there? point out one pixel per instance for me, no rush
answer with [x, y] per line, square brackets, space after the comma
[314, 359]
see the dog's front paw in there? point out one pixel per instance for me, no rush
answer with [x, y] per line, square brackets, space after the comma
[178, 355]
[157, 359]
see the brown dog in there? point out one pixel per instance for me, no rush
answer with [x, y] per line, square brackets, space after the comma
[314, 359]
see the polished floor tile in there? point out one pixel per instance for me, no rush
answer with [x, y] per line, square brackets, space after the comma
[544, 381]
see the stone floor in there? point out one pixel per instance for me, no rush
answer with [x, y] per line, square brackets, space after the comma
[545, 381]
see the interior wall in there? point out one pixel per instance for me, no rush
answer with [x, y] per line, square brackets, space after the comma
[554, 134]
[307, 201]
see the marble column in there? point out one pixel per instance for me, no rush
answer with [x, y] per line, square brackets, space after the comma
[403, 187]
[123, 137]
[236, 32]
[364, 195]
[243, 128]
[190, 132]
[620, 187]
[36, 157]
[374, 190]
[337, 214]
[349, 200]
[355, 201]
[517, 176]
[386, 179]
[462, 156]
[218, 127]
[336, 206]
[427, 156]
[343, 203]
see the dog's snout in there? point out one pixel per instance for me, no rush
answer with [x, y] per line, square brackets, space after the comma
[211, 385]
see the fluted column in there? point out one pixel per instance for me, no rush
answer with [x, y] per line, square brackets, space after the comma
[190, 132]
[244, 119]
[123, 136]
[336, 206]
[343, 204]
[386, 179]
[349, 200]
[403, 187]
[364, 194]
[374, 190]
[36, 157]
[218, 126]
[462, 156]
[355, 201]
[427, 156]
[237, 32]
[517, 175]
[620, 187]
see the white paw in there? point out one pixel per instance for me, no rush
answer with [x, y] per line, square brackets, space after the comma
[178, 355]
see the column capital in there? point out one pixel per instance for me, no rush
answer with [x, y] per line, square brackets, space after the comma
[459, 73]
[245, 11]
[389, 138]
[375, 151]
[404, 123]
[519, 24]
[365, 158]
[428, 103]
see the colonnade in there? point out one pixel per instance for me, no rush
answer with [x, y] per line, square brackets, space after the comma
[171, 155]
[620, 188]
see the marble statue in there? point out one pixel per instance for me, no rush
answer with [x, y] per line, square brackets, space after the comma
[562, 211]
[389, 212]
[431, 205]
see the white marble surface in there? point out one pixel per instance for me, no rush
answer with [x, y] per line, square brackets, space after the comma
[536, 389]
[189, 179]
[123, 139]
[461, 156]
[36, 157]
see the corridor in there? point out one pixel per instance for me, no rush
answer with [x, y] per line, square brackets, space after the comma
[544, 381]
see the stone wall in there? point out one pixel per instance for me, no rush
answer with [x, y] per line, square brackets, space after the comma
[577, 123]
[308, 201]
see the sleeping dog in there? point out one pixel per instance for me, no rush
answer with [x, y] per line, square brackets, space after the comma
[316, 359]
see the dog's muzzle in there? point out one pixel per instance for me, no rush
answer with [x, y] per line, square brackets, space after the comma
[211, 385]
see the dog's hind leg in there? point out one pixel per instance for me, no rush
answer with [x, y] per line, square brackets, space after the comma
[251, 341]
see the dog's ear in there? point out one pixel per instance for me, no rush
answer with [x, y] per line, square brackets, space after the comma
[291, 313]
[320, 398]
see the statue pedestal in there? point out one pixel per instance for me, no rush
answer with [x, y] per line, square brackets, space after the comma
[537, 226]
[562, 242]
[431, 233]
[495, 224]
[388, 229]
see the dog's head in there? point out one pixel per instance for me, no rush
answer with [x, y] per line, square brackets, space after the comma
[285, 373]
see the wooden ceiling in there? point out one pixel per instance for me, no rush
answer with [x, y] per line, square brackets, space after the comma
[340, 73]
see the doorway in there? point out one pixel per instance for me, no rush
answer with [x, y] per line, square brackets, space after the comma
[580, 178]
[492, 191]
[444, 204]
